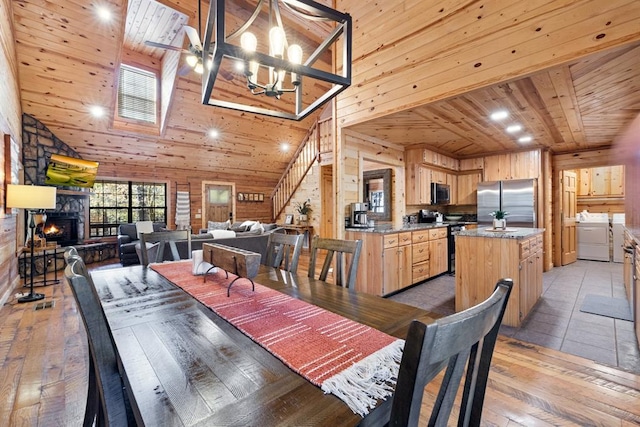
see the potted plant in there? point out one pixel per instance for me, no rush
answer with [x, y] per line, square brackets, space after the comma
[499, 219]
[304, 209]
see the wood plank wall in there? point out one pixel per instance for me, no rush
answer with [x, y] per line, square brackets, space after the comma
[412, 52]
[10, 124]
[260, 211]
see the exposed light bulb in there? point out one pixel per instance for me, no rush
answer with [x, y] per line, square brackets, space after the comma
[514, 128]
[276, 41]
[192, 60]
[253, 68]
[499, 115]
[199, 68]
[248, 41]
[294, 53]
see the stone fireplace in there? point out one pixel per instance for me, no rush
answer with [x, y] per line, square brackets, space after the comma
[61, 228]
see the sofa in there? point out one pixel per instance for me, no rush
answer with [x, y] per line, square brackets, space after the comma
[127, 240]
[254, 241]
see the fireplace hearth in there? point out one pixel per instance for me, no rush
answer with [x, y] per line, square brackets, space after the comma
[61, 228]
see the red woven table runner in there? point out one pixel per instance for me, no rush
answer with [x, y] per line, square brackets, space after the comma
[355, 362]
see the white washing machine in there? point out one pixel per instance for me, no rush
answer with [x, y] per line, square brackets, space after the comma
[593, 237]
[617, 227]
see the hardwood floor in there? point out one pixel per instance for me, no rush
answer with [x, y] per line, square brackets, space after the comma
[44, 361]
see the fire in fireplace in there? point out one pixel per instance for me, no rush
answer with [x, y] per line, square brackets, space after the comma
[61, 228]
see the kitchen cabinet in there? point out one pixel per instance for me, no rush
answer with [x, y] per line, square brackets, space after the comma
[421, 255]
[636, 295]
[530, 273]
[397, 267]
[438, 250]
[452, 182]
[484, 257]
[606, 181]
[418, 185]
[525, 164]
[390, 262]
[468, 188]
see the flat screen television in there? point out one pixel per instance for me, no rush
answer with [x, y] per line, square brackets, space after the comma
[71, 172]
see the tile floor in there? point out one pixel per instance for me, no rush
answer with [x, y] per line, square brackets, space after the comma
[556, 321]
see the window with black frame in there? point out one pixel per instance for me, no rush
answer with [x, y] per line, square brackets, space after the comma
[117, 202]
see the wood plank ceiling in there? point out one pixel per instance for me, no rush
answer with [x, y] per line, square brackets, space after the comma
[68, 61]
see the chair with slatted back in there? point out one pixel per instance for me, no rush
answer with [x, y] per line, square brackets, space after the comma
[283, 251]
[468, 336]
[107, 401]
[159, 240]
[340, 248]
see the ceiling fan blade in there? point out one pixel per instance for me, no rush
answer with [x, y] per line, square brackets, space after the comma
[184, 70]
[165, 46]
[194, 38]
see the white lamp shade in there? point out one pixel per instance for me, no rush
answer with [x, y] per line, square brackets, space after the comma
[31, 197]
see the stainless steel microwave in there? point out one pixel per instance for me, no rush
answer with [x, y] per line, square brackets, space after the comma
[439, 194]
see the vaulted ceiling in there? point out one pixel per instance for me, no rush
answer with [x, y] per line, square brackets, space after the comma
[68, 61]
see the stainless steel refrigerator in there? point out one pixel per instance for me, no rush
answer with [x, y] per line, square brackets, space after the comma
[516, 196]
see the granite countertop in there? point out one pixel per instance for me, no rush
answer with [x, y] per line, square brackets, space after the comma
[509, 233]
[388, 229]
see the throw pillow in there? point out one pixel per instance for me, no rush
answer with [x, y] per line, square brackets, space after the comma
[223, 234]
[144, 227]
[199, 265]
[238, 227]
[257, 227]
[212, 225]
[269, 227]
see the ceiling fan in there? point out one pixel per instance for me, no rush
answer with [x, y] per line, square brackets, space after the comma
[194, 51]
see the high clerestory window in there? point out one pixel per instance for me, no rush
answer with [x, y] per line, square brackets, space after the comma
[113, 203]
[137, 94]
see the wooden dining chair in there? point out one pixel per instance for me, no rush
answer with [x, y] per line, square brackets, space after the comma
[160, 237]
[468, 336]
[284, 249]
[341, 248]
[107, 401]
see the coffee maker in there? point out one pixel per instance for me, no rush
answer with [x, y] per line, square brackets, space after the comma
[359, 215]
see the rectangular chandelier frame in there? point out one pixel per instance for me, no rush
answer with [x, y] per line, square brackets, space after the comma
[221, 48]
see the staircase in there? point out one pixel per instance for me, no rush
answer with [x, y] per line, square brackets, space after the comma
[316, 142]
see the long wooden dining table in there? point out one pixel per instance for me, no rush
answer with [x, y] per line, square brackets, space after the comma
[186, 366]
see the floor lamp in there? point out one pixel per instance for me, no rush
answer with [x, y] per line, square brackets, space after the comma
[31, 198]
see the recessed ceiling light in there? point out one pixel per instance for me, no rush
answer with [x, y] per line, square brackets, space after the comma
[499, 115]
[104, 13]
[213, 133]
[284, 147]
[96, 111]
[525, 139]
[514, 128]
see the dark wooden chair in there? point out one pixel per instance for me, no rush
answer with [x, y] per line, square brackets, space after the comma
[160, 237]
[340, 248]
[107, 401]
[468, 336]
[284, 249]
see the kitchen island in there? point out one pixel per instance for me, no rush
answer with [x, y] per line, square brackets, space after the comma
[395, 258]
[485, 255]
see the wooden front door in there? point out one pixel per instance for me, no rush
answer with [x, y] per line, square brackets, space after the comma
[568, 217]
[218, 202]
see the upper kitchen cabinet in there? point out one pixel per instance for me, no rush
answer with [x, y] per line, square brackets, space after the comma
[520, 165]
[468, 188]
[605, 181]
[418, 182]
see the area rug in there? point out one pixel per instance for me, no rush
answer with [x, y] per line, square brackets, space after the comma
[354, 362]
[618, 308]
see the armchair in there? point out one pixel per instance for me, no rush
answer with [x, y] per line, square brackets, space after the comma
[127, 239]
